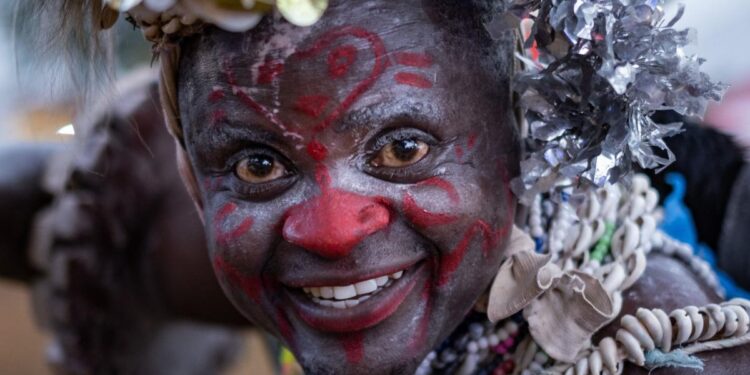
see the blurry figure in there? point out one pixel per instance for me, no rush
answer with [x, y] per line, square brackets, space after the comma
[21, 197]
[117, 253]
[716, 191]
[732, 115]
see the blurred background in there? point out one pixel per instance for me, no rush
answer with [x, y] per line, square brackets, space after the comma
[38, 101]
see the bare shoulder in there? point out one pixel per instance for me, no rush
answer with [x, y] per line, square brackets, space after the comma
[668, 284]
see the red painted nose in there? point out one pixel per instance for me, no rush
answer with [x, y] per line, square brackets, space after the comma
[333, 223]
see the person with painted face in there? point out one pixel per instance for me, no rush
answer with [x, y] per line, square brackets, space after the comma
[373, 199]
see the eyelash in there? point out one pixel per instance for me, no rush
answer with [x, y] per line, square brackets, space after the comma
[261, 191]
[408, 173]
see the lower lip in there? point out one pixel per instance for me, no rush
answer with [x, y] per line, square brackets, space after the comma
[365, 315]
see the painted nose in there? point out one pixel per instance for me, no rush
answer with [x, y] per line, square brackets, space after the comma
[333, 223]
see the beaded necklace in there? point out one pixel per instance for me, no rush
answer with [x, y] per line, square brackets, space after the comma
[606, 234]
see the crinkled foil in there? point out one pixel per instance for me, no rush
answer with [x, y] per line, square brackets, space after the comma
[589, 109]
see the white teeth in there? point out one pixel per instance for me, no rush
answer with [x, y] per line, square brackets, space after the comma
[326, 292]
[342, 297]
[367, 286]
[381, 280]
[344, 292]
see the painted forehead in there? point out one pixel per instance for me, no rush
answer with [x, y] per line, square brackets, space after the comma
[327, 72]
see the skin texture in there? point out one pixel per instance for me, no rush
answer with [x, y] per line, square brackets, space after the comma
[323, 102]
[664, 273]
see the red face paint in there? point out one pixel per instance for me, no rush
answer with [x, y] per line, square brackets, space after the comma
[224, 237]
[218, 116]
[311, 105]
[452, 260]
[414, 59]
[334, 222]
[353, 346]
[249, 102]
[472, 141]
[251, 286]
[216, 95]
[459, 152]
[317, 151]
[285, 328]
[412, 79]
[421, 217]
[339, 58]
[269, 71]
[445, 186]
[420, 336]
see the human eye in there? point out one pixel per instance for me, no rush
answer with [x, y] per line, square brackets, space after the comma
[261, 174]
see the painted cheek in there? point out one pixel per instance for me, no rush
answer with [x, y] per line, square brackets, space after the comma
[224, 237]
[423, 218]
[250, 285]
[420, 337]
[450, 262]
[334, 222]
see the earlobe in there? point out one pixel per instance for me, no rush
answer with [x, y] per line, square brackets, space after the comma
[188, 178]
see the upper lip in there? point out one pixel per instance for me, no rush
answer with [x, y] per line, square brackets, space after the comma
[359, 317]
[343, 277]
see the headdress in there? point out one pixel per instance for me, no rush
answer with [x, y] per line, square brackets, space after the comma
[594, 73]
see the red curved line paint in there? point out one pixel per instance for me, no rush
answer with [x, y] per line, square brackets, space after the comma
[341, 59]
[353, 346]
[224, 237]
[412, 79]
[459, 152]
[216, 95]
[445, 185]
[452, 260]
[376, 46]
[317, 150]
[421, 217]
[311, 105]
[269, 71]
[420, 336]
[285, 327]
[249, 101]
[472, 141]
[218, 116]
[415, 59]
[251, 286]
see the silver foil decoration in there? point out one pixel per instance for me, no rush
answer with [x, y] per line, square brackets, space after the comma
[589, 108]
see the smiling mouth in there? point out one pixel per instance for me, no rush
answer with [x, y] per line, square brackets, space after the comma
[357, 305]
[347, 296]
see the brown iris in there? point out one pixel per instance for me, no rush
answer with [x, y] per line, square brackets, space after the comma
[401, 153]
[258, 169]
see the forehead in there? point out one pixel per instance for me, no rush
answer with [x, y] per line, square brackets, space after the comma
[393, 53]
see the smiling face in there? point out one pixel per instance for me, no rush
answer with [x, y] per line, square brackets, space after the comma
[354, 176]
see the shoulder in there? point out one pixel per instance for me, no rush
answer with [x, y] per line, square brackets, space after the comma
[669, 284]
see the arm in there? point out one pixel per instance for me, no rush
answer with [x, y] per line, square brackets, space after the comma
[684, 289]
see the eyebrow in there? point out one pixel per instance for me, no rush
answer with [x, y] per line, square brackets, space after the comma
[391, 111]
[231, 134]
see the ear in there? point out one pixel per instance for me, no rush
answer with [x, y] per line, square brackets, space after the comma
[188, 178]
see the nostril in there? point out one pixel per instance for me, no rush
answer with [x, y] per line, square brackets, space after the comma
[332, 224]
